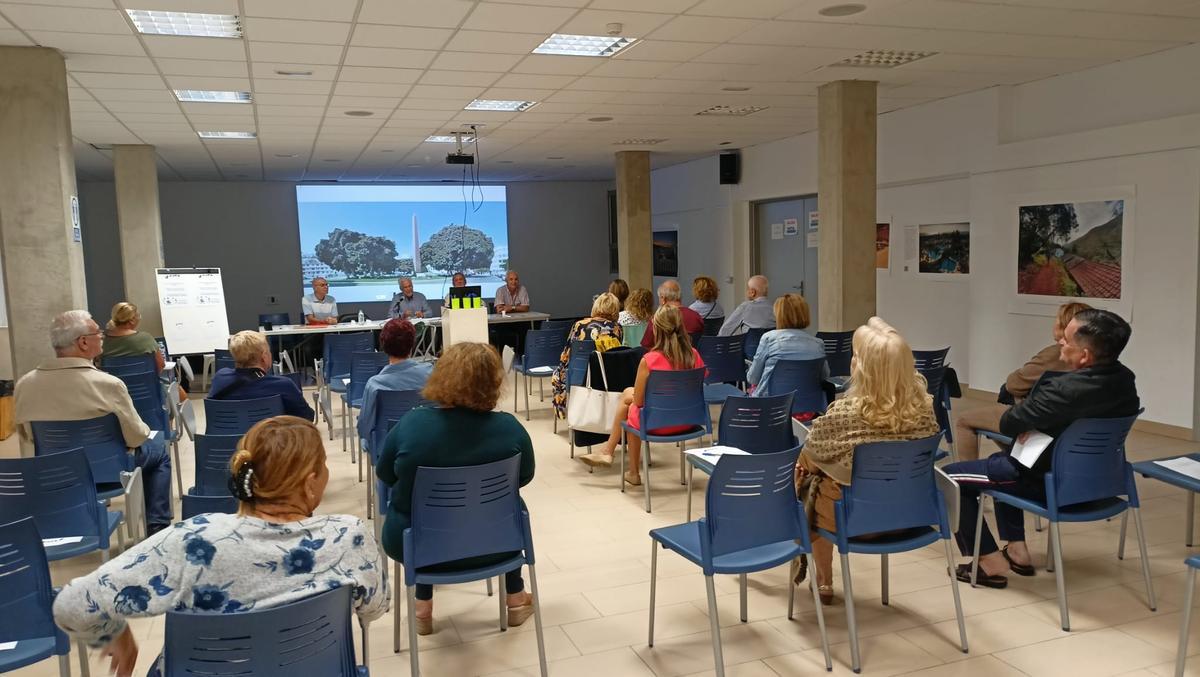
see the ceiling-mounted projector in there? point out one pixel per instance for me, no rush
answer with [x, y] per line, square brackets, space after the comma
[458, 157]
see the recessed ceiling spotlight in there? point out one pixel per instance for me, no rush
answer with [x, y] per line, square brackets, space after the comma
[601, 118]
[412, 166]
[724, 143]
[293, 74]
[735, 89]
[155, 22]
[387, 150]
[239, 164]
[211, 96]
[286, 155]
[360, 113]
[583, 45]
[504, 162]
[500, 105]
[883, 58]
[331, 160]
[227, 135]
[733, 111]
[847, 9]
[555, 157]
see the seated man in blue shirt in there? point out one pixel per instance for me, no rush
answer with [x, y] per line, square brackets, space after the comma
[397, 340]
[409, 303]
[252, 378]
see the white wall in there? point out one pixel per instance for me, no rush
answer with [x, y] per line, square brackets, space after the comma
[689, 199]
[968, 157]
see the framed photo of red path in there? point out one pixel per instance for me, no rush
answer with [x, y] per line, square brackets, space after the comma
[882, 245]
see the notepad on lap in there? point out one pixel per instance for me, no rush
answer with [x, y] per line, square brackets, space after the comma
[1028, 451]
[65, 540]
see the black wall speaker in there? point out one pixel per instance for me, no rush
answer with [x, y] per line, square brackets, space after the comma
[731, 167]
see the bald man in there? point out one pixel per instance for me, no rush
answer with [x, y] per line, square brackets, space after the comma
[669, 295]
[753, 313]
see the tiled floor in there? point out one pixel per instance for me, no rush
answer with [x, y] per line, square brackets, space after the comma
[593, 569]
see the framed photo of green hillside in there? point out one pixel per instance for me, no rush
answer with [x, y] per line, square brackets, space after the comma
[1071, 249]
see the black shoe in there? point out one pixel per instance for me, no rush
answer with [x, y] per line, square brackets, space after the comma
[963, 573]
[1018, 569]
[152, 529]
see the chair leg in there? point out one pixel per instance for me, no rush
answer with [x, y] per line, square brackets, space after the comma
[689, 492]
[413, 661]
[121, 537]
[742, 597]
[1037, 523]
[1191, 518]
[537, 621]
[653, 586]
[962, 626]
[489, 587]
[527, 398]
[1059, 578]
[1137, 521]
[178, 469]
[370, 493]
[791, 583]
[396, 616]
[883, 578]
[645, 472]
[1050, 551]
[820, 616]
[515, 390]
[1185, 627]
[64, 665]
[84, 668]
[541, 391]
[624, 452]
[343, 420]
[978, 538]
[682, 479]
[503, 606]
[715, 627]
[851, 624]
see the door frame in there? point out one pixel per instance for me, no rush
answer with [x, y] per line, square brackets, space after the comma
[755, 260]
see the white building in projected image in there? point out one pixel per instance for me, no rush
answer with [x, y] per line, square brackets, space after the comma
[312, 267]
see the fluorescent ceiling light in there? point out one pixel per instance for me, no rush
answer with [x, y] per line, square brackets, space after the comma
[884, 58]
[737, 111]
[211, 96]
[227, 135]
[639, 142]
[449, 138]
[497, 105]
[155, 22]
[583, 45]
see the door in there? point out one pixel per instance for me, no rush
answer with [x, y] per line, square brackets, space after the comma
[782, 232]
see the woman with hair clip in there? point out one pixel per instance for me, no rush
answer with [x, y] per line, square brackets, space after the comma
[672, 351]
[272, 552]
[887, 401]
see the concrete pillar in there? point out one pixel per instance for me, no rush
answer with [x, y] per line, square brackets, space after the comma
[136, 179]
[846, 185]
[636, 265]
[42, 255]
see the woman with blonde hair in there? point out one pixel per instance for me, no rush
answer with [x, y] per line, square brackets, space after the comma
[460, 429]
[272, 552]
[600, 327]
[672, 351]
[639, 308]
[887, 401]
[788, 341]
[123, 339]
[620, 289]
[705, 289]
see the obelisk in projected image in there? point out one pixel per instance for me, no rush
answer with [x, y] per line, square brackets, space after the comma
[416, 239]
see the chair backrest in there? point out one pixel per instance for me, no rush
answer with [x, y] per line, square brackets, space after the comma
[236, 417]
[932, 365]
[128, 364]
[631, 334]
[1089, 461]
[219, 353]
[25, 597]
[340, 347]
[295, 377]
[713, 325]
[839, 348]
[759, 425]
[543, 347]
[146, 391]
[363, 365]
[312, 636]
[465, 512]
[390, 407]
[695, 337]
[563, 326]
[274, 319]
[675, 398]
[751, 501]
[100, 438]
[750, 340]
[577, 365]
[723, 358]
[57, 491]
[892, 487]
[199, 505]
[212, 463]
[224, 363]
[802, 378]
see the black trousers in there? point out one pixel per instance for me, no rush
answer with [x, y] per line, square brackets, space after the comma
[998, 471]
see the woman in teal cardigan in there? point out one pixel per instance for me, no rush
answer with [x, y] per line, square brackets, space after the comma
[461, 430]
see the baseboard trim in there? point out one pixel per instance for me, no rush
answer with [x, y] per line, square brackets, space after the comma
[1142, 425]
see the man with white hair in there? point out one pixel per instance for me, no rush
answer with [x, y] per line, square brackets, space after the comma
[669, 295]
[69, 387]
[753, 313]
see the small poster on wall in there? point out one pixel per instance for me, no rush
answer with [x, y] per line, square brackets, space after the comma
[814, 220]
[666, 253]
[1071, 249]
[791, 227]
[882, 244]
[944, 248]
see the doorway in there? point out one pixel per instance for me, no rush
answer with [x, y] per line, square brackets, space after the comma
[781, 232]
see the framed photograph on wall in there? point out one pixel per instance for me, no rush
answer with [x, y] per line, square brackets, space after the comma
[944, 249]
[883, 240]
[666, 252]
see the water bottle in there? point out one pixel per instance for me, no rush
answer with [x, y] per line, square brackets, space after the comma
[361, 318]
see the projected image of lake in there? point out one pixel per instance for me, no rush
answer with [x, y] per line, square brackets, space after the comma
[363, 238]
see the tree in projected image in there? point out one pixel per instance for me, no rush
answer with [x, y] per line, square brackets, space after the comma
[455, 248]
[358, 254]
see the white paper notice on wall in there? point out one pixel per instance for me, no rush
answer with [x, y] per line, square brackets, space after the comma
[814, 220]
[791, 227]
[776, 231]
[812, 240]
[911, 244]
[76, 232]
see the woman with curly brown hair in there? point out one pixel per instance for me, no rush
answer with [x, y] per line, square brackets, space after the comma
[461, 429]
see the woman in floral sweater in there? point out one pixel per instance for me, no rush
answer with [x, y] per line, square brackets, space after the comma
[272, 552]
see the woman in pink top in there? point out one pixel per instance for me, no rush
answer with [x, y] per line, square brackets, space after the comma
[672, 351]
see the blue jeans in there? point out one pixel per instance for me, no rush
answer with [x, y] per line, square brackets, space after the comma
[155, 462]
[998, 471]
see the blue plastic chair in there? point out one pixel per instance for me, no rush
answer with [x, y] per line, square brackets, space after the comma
[712, 326]
[758, 425]
[673, 398]
[1005, 440]
[543, 349]
[236, 417]
[1192, 563]
[892, 489]
[149, 399]
[213, 453]
[57, 491]
[335, 365]
[223, 362]
[932, 365]
[129, 364]
[753, 522]
[312, 636]
[577, 369]
[839, 348]
[803, 379]
[1088, 476]
[563, 326]
[195, 504]
[722, 357]
[464, 512]
[390, 407]
[26, 601]
[751, 339]
[363, 365]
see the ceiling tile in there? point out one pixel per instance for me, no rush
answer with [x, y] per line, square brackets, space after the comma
[555, 65]
[461, 95]
[119, 80]
[467, 78]
[275, 99]
[439, 14]
[290, 111]
[491, 41]
[87, 43]
[398, 76]
[158, 95]
[74, 19]
[295, 53]
[269, 70]
[132, 106]
[595, 22]
[223, 49]
[702, 29]
[631, 69]
[517, 94]
[751, 9]
[287, 30]
[520, 80]
[664, 50]
[475, 61]
[517, 18]
[365, 102]
[370, 89]
[546, 3]
[389, 58]
[13, 37]
[202, 82]
[223, 69]
[572, 96]
[98, 63]
[291, 86]
[375, 35]
[666, 6]
[317, 10]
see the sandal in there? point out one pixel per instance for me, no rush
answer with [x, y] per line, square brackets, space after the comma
[963, 573]
[597, 460]
[825, 592]
[519, 614]
[1018, 569]
[633, 480]
[424, 625]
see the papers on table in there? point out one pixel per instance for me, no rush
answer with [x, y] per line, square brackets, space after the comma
[65, 540]
[1029, 450]
[346, 382]
[1182, 465]
[712, 454]
[541, 370]
[7, 646]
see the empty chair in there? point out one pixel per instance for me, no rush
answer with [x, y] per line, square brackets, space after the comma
[272, 320]
[723, 358]
[932, 365]
[363, 365]
[390, 407]
[201, 505]
[753, 522]
[312, 636]
[674, 400]
[543, 348]
[213, 453]
[1192, 563]
[26, 617]
[839, 348]
[235, 417]
[335, 366]
[750, 340]
[803, 379]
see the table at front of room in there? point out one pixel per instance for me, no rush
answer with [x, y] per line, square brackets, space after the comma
[1189, 484]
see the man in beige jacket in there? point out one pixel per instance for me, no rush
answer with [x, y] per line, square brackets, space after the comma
[69, 387]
